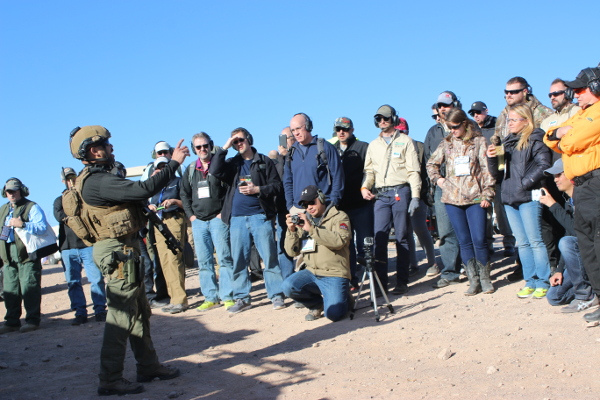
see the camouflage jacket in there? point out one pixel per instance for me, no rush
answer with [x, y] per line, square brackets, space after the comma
[540, 112]
[468, 189]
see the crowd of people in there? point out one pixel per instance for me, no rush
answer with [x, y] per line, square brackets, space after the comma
[308, 207]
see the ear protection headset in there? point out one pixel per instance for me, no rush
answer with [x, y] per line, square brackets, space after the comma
[24, 189]
[593, 82]
[211, 144]
[248, 135]
[308, 122]
[321, 196]
[154, 155]
[455, 102]
[395, 119]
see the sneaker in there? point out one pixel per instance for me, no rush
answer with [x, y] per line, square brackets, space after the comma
[579, 305]
[278, 303]
[433, 270]
[240, 305]
[28, 328]
[101, 317]
[163, 373]
[442, 283]
[314, 313]
[412, 271]
[8, 328]
[158, 304]
[526, 292]
[593, 316]
[228, 304]
[120, 387]
[299, 305]
[79, 319]
[176, 308]
[539, 293]
[207, 305]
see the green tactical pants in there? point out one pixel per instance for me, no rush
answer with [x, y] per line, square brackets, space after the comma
[22, 284]
[128, 316]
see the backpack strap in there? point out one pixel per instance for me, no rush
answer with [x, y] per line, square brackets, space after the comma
[322, 157]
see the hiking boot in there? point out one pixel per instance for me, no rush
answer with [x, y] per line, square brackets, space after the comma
[314, 313]
[8, 328]
[484, 277]
[228, 304]
[240, 305]
[516, 275]
[474, 279]
[443, 282]
[158, 304]
[163, 373]
[400, 289]
[28, 328]
[525, 292]
[207, 305]
[176, 308]
[593, 316]
[580, 305]
[539, 293]
[120, 387]
[278, 303]
[433, 270]
[101, 317]
[79, 319]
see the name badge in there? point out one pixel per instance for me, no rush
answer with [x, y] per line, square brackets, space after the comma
[203, 190]
[308, 246]
[461, 166]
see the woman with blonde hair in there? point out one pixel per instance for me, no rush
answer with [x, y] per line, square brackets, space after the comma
[467, 190]
[526, 158]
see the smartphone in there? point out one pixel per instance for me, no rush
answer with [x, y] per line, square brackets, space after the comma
[283, 141]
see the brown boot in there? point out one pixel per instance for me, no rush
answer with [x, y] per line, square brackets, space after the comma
[484, 277]
[473, 275]
[119, 387]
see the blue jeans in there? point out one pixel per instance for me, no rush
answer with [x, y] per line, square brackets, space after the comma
[575, 284]
[361, 222]
[525, 222]
[469, 225]
[74, 260]
[243, 230]
[209, 236]
[449, 249]
[390, 212]
[419, 226]
[286, 263]
[313, 291]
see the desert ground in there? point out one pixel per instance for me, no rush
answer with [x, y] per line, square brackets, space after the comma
[438, 344]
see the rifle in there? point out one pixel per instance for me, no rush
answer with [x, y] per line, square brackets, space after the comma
[172, 242]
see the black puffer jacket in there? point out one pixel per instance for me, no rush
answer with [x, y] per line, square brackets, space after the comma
[524, 170]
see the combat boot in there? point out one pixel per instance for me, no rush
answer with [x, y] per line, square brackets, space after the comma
[162, 372]
[119, 387]
[473, 275]
[484, 277]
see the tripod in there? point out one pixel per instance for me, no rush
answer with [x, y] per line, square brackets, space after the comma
[367, 262]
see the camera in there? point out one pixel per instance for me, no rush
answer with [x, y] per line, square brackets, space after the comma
[296, 220]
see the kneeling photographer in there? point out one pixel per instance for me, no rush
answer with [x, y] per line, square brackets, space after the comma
[322, 235]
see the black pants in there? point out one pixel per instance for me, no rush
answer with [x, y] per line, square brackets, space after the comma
[587, 227]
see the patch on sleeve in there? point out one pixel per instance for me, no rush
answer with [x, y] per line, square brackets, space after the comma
[343, 226]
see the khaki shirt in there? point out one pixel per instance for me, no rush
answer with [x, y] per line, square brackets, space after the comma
[555, 120]
[393, 164]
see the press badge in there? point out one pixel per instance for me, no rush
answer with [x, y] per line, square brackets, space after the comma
[5, 233]
[308, 246]
[396, 150]
[203, 190]
[461, 166]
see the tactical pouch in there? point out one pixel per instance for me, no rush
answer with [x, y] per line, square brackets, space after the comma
[72, 206]
[128, 266]
[122, 222]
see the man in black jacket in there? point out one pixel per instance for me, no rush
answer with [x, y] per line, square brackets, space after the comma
[360, 211]
[249, 209]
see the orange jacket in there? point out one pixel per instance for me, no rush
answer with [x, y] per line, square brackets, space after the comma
[580, 147]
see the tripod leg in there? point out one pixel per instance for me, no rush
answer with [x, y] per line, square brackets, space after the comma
[373, 297]
[387, 300]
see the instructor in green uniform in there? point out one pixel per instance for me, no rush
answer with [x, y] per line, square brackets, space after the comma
[111, 215]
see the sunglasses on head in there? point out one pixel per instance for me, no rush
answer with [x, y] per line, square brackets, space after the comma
[513, 91]
[161, 152]
[202, 146]
[238, 141]
[340, 128]
[378, 118]
[556, 94]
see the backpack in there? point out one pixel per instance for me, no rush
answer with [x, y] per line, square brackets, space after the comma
[321, 157]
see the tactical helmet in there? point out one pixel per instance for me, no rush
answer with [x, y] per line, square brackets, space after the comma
[82, 138]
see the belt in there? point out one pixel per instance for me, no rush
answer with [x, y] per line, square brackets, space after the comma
[388, 188]
[579, 180]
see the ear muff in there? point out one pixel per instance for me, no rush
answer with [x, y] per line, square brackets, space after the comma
[153, 153]
[308, 124]
[321, 196]
[24, 189]
[594, 81]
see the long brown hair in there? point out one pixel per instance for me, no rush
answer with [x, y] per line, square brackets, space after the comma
[523, 111]
[458, 116]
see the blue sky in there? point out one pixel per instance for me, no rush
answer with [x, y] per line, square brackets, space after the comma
[164, 70]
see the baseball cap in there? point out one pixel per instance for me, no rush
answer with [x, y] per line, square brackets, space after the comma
[343, 122]
[385, 111]
[309, 193]
[13, 184]
[402, 125]
[584, 78]
[444, 98]
[557, 168]
[161, 146]
[68, 171]
[160, 160]
[478, 106]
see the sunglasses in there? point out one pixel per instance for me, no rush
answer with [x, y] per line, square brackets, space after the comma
[339, 128]
[238, 141]
[579, 90]
[202, 146]
[454, 127]
[440, 105]
[472, 113]
[435, 116]
[306, 204]
[556, 94]
[513, 91]
[161, 152]
[378, 118]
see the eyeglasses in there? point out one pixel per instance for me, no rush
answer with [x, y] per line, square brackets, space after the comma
[474, 112]
[202, 146]
[435, 116]
[513, 91]
[238, 141]
[509, 120]
[579, 90]
[378, 118]
[556, 94]
[455, 127]
[305, 204]
[160, 152]
[340, 128]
